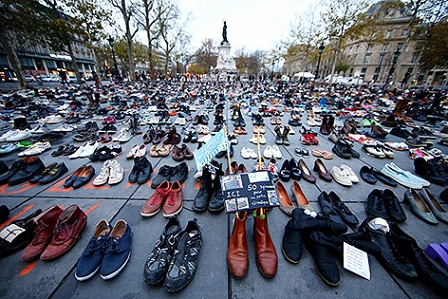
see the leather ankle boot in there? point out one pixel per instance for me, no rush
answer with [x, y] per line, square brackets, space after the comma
[266, 254]
[237, 254]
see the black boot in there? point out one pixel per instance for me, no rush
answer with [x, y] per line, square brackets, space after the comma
[216, 203]
[202, 198]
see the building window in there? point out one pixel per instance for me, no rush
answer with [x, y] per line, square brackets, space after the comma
[369, 48]
[380, 61]
[351, 72]
[389, 33]
[366, 58]
[414, 58]
[404, 33]
[399, 46]
[384, 49]
[363, 72]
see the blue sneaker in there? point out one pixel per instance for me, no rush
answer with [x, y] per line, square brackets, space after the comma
[118, 250]
[90, 261]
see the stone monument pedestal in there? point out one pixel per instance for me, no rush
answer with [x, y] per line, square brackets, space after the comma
[225, 63]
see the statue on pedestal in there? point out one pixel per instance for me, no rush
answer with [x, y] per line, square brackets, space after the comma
[224, 34]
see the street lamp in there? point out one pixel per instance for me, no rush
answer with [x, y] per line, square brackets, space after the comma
[392, 68]
[321, 50]
[111, 44]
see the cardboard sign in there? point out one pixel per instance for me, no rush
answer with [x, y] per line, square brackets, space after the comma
[247, 191]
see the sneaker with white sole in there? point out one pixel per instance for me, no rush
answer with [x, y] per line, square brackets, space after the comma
[103, 177]
[124, 136]
[19, 135]
[35, 149]
[351, 174]
[89, 149]
[116, 172]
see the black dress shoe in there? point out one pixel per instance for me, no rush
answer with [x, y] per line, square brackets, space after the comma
[292, 243]
[84, 177]
[428, 273]
[367, 175]
[324, 262]
[163, 174]
[16, 165]
[18, 234]
[339, 150]
[3, 167]
[296, 173]
[180, 173]
[285, 171]
[389, 256]
[328, 207]
[71, 179]
[4, 213]
[382, 178]
[344, 212]
[145, 171]
[29, 168]
[55, 173]
[42, 173]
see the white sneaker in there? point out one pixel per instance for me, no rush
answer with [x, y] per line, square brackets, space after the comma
[351, 174]
[35, 149]
[39, 129]
[116, 172]
[7, 135]
[262, 139]
[124, 136]
[89, 149]
[246, 153]
[78, 153]
[103, 177]
[132, 152]
[19, 135]
[276, 153]
[341, 176]
[205, 138]
[65, 128]
[268, 152]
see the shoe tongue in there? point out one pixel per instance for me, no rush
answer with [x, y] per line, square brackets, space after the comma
[379, 224]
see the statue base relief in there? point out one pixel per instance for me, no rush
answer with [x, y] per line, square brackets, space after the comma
[225, 62]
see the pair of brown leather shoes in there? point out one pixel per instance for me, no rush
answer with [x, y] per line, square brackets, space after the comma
[181, 153]
[172, 137]
[237, 254]
[56, 232]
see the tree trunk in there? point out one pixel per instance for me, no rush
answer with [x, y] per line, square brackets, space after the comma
[150, 55]
[75, 63]
[131, 61]
[13, 58]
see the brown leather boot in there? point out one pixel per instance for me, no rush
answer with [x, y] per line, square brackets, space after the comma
[45, 224]
[266, 254]
[237, 254]
[67, 231]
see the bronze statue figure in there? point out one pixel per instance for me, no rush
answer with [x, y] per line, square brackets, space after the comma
[224, 34]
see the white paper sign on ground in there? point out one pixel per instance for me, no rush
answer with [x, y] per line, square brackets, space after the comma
[356, 261]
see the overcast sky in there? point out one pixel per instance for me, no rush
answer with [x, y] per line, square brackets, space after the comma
[254, 25]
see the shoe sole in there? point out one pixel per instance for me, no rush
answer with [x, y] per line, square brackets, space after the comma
[150, 214]
[325, 280]
[116, 272]
[86, 277]
[288, 259]
[172, 214]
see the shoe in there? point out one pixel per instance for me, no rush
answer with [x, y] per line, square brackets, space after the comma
[173, 202]
[248, 153]
[29, 168]
[103, 177]
[376, 205]
[158, 261]
[15, 167]
[258, 138]
[266, 255]
[427, 172]
[4, 213]
[90, 261]
[322, 170]
[36, 149]
[305, 172]
[184, 262]
[153, 205]
[118, 250]
[83, 177]
[124, 136]
[351, 174]
[89, 148]
[116, 174]
[286, 206]
[329, 208]
[67, 231]
[53, 174]
[419, 207]
[382, 178]
[302, 201]
[179, 173]
[400, 177]
[389, 256]
[144, 170]
[341, 176]
[285, 171]
[292, 243]
[133, 151]
[427, 272]
[433, 204]
[237, 253]
[340, 150]
[296, 173]
[395, 212]
[324, 263]
[202, 197]
[24, 233]
[367, 175]
[343, 211]
[373, 151]
[164, 174]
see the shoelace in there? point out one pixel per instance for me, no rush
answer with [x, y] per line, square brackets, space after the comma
[63, 226]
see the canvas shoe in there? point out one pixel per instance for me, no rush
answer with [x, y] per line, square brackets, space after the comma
[103, 177]
[90, 261]
[268, 152]
[7, 135]
[19, 135]
[35, 149]
[341, 176]
[118, 250]
[124, 136]
[89, 149]
[276, 153]
[351, 174]
[400, 177]
[116, 174]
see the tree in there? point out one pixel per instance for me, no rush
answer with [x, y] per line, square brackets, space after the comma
[338, 18]
[130, 30]
[435, 53]
[206, 55]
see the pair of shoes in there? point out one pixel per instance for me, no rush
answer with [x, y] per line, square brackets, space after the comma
[22, 170]
[210, 192]
[136, 151]
[258, 138]
[124, 136]
[419, 206]
[141, 171]
[171, 173]
[272, 151]
[56, 232]
[181, 153]
[289, 170]
[80, 177]
[36, 149]
[172, 137]
[162, 150]
[85, 150]
[344, 175]
[281, 136]
[108, 251]
[108, 129]
[320, 168]
[391, 257]
[286, 206]
[333, 207]
[17, 234]
[174, 257]
[248, 153]
[345, 151]
[111, 172]
[402, 177]
[237, 253]
[168, 196]
[191, 136]
[305, 172]
[223, 153]
[385, 204]
[106, 152]
[430, 171]
[378, 151]
[320, 153]
[50, 174]
[367, 175]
